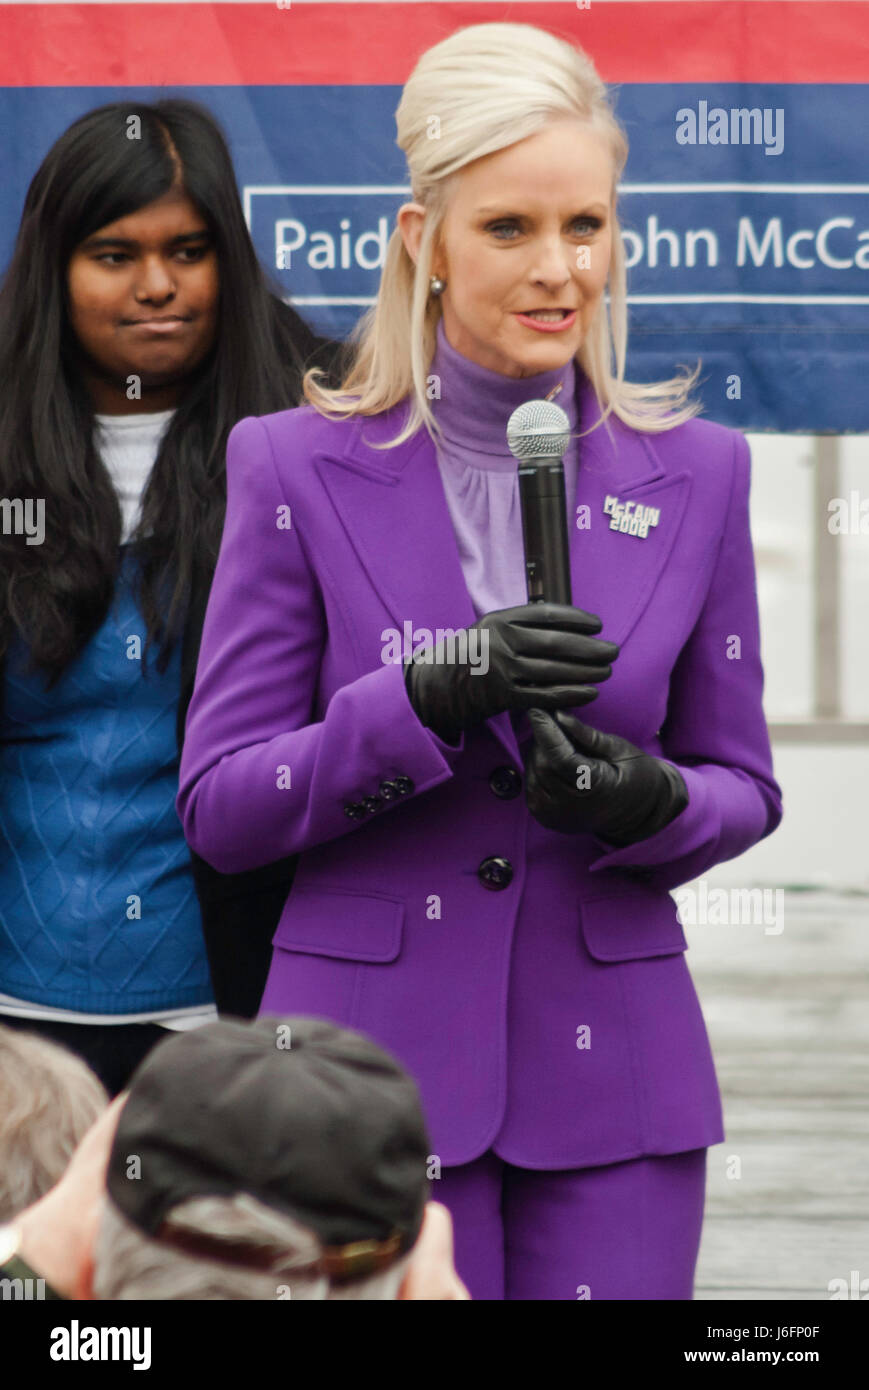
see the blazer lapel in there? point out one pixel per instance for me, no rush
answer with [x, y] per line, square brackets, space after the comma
[393, 508]
[614, 573]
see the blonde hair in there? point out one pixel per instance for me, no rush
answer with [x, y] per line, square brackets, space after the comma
[490, 86]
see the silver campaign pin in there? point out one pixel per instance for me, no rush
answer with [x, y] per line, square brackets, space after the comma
[630, 518]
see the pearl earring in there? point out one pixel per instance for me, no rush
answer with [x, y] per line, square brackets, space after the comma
[437, 285]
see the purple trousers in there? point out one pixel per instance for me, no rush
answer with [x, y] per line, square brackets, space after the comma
[620, 1231]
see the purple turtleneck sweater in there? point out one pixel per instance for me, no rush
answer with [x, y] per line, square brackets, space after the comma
[479, 472]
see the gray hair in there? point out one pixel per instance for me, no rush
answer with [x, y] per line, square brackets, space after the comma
[49, 1098]
[130, 1265]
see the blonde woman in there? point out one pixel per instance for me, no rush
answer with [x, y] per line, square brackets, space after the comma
[499, 921]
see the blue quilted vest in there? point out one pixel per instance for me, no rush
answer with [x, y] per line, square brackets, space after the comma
[98, 912]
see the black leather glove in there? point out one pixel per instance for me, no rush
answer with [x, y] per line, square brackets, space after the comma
[542, 654]
[625, 796]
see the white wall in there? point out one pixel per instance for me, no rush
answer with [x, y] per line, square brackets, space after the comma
[823, 839]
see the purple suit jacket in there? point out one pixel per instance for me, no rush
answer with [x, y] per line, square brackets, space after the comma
[552, 1018]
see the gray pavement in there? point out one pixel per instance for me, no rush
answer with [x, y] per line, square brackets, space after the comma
[787, 1210]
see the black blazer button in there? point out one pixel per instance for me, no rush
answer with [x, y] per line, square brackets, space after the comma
[404, 784]
[388, 790]
[355, 810]
[372, 803]
[495, 873]
[505, 782]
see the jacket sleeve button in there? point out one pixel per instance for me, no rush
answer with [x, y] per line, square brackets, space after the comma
[404, 785]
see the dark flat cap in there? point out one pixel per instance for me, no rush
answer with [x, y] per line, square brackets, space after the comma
[315, 1121]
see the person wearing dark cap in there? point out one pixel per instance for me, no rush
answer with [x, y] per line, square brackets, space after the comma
[281, 1159]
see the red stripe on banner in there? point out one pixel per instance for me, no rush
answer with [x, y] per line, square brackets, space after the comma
[368, 44]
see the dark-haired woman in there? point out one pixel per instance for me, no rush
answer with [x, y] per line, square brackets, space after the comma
[136, 328]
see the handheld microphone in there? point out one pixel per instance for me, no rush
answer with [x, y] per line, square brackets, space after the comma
[538, 433]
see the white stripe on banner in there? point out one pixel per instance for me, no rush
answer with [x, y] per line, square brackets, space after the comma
[297, 299]
[363, 301]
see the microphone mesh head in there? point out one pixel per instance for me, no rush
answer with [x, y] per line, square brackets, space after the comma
[538, 429]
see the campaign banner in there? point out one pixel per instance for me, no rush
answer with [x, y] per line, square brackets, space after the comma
[744, 202]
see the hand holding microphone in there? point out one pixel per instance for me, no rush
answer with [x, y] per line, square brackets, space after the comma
[545, 653]
[538, 654]
[576, 778]
[580, 779]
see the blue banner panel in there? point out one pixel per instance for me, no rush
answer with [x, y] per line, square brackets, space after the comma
[744, 203]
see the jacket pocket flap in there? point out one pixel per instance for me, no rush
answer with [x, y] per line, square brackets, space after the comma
[631, 922]
[338, 922]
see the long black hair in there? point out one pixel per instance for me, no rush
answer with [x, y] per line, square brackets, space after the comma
[55, 595]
